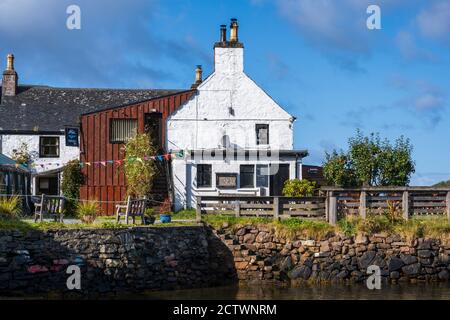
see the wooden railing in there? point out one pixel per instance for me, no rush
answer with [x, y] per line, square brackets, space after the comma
[253, 206]
[410, 201]
[333, 204]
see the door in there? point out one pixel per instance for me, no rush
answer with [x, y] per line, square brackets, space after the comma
[153, 126]
[277, 180]
[47, 185]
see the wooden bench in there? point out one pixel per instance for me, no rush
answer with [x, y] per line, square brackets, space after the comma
[52, 206]
[133, 208]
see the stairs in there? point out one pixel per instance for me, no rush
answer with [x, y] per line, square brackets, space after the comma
[160, 188]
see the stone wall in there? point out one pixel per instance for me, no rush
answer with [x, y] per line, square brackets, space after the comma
[112, 260]
[259, 254]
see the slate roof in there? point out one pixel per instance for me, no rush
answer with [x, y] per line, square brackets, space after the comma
[49, 109]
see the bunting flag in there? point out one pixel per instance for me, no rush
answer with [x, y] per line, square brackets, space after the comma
[104, 163]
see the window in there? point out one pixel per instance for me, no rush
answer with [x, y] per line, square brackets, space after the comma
[204, 175]
[49, 147]
[226, 180]
[262, 134]
[262, 175]
[247, 173]
[122, 130]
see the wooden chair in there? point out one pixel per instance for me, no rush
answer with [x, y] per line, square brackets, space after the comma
[52, 206]
[133, 208]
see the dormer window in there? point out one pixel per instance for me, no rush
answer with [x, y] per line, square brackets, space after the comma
[262, 134]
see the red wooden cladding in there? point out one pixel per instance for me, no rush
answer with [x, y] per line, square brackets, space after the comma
[107, 183]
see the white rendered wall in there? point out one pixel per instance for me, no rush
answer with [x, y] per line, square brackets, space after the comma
[11, 142]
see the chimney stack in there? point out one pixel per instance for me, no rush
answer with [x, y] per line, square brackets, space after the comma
[234, 30]
[223, 33]
[10, 78]
[198, 77]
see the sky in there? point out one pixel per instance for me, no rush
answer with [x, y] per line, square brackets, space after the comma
[316, 58]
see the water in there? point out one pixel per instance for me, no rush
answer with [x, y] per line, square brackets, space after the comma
[437, 291]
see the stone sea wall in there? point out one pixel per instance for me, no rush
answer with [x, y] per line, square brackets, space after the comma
[134, 260]
[259, 254]
[111, 260]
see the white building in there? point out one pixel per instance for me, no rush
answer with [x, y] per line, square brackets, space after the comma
[236, 138]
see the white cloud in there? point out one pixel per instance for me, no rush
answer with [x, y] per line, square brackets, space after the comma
[434, 22]
[409, 50]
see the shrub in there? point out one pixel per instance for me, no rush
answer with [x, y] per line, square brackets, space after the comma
[298, 188]
[138, 171]
[87, 211]
[72, 179]
[10, 207]
[165, 207]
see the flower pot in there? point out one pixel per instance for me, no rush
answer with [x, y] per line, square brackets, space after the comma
[165, 218]
[149, 220]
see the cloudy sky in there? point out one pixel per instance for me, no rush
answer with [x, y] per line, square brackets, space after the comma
[315, 57]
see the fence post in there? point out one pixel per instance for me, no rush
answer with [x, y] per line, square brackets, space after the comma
[332, 209]
[198, 211]
[363, 204]
[405, 205]
[237, 208]
[448, 204]
[276, 208]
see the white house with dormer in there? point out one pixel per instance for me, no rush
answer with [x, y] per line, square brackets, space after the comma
[236, 138]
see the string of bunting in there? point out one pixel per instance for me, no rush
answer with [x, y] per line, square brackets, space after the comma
[161, 158]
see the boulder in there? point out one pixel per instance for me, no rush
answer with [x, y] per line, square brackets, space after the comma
[408, 259]
[366, 259]
[303, 272]
[412, 269]
[395, 264]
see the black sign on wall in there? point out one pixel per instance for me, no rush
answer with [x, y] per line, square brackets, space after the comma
[72, 137]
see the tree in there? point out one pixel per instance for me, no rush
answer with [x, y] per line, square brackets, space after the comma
[371, 162]
[337, 169]
[72, 179]
[138, 171]
[21, 155]
[298, 188]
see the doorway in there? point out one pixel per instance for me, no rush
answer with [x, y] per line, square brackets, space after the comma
[47, 185]
[153, 126]
[278, 179]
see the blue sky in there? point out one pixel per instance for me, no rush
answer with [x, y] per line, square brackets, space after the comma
[316, 58]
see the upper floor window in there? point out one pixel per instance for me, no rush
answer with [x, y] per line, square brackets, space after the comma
[122, 130]
[204, 175]
[262, 134]
[49, 147]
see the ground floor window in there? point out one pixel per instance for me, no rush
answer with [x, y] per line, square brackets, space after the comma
[204, 175]
[247, 176]
[262, 175]
[47, 185]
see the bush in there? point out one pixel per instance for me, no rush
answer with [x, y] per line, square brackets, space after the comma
[72, 179]
[138, 171]
[298, 188]
[10, 207]
[88, 210]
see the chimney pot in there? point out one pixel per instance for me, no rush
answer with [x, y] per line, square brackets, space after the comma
[198, 77]
[10, 62]
[223, 33]
[234, 30]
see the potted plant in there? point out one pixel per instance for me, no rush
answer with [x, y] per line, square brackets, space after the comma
[87, 211]
[149, 216]
[165, 213]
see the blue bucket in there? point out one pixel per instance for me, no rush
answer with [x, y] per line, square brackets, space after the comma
[165, 218]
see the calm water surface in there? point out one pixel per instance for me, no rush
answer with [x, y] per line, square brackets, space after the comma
[438, 291]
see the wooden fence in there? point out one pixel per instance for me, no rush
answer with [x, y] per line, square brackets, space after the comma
[252, 206]
[333, 204]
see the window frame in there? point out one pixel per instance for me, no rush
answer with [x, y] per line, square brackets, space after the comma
[252, 186]
[260, 126]
[111, 121]
[202, 165]
[58, 145]
[266, 176]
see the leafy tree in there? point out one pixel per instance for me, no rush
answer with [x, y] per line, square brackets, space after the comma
[298, 188]
[139, 173]
[21, 155]
[72, 179]
[442, 184]
[337, 169]
[371, 162]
